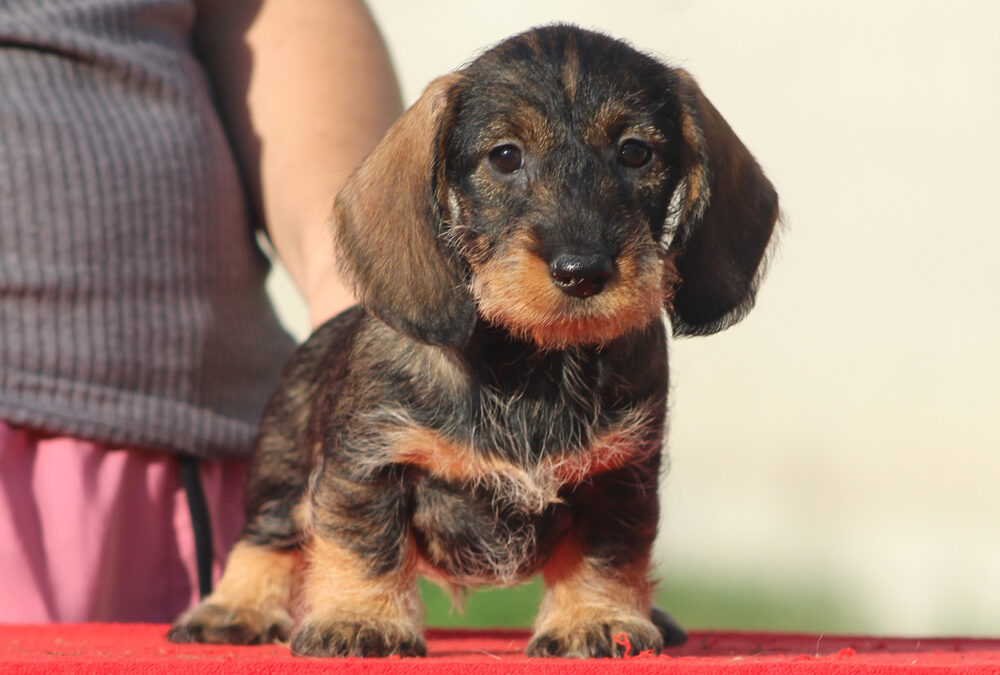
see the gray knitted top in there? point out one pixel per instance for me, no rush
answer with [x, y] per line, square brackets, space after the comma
[132, 307]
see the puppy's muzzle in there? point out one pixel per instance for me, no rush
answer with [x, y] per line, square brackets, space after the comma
[581, 276]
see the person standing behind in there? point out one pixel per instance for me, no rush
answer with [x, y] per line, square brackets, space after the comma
[141, 143]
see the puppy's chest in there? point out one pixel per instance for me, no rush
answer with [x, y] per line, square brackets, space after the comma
[487, 508]
[524, 457]
[494, 471]
[525, 428]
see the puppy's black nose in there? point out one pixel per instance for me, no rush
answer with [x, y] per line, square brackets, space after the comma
[581, 275]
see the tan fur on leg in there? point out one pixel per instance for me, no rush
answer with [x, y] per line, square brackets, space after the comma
[350, 612]
[251, 603]
[588, 603]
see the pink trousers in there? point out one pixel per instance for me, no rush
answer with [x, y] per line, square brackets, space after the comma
[92, 533]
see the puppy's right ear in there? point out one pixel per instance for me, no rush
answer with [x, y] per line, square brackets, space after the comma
[386, 225]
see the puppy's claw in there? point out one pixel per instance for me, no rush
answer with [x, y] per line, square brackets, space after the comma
[218, 624]
[601, 639]
[545, 645]
[357, 638]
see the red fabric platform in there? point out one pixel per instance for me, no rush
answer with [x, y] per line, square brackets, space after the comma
[142, 649]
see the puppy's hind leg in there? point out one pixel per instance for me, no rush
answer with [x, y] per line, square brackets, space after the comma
[250, 604]
[252, 601]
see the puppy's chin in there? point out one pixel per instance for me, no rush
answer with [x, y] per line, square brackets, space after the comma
[589, 331]
[517, 293]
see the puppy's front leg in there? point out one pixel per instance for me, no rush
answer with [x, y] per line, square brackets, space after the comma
[598, 590]
[592, 608]
[359, 590]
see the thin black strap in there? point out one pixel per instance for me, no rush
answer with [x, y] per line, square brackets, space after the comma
[201, 524]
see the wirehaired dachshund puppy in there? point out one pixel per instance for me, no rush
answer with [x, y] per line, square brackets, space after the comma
[494, 407]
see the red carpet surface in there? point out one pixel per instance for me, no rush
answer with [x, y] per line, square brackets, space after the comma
[142, 649]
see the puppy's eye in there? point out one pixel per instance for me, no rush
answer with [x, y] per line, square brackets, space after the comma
[506, 158]
[634, 154]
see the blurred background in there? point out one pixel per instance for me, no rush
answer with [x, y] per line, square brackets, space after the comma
[836, 456]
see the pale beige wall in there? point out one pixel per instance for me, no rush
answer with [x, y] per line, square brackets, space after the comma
[846, 432]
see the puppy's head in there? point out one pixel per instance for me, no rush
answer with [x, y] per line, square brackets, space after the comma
[563, 186]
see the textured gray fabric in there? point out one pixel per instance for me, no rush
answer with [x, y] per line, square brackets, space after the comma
[132, 308]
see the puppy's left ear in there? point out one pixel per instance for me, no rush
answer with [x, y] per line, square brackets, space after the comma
[387, 219]
[727, 218]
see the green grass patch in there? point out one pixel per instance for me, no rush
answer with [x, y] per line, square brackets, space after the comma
[484, 608]
[700, 603]
[697, 603]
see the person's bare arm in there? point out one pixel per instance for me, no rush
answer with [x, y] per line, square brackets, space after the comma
[306, 89]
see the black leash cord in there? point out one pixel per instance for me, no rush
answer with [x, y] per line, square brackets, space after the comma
[201, 523]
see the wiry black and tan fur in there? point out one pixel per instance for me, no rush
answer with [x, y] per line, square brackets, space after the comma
[494, 408]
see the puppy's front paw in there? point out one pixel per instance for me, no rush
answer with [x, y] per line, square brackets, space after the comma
[216, 623]
[615, 637]
[357, 638]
